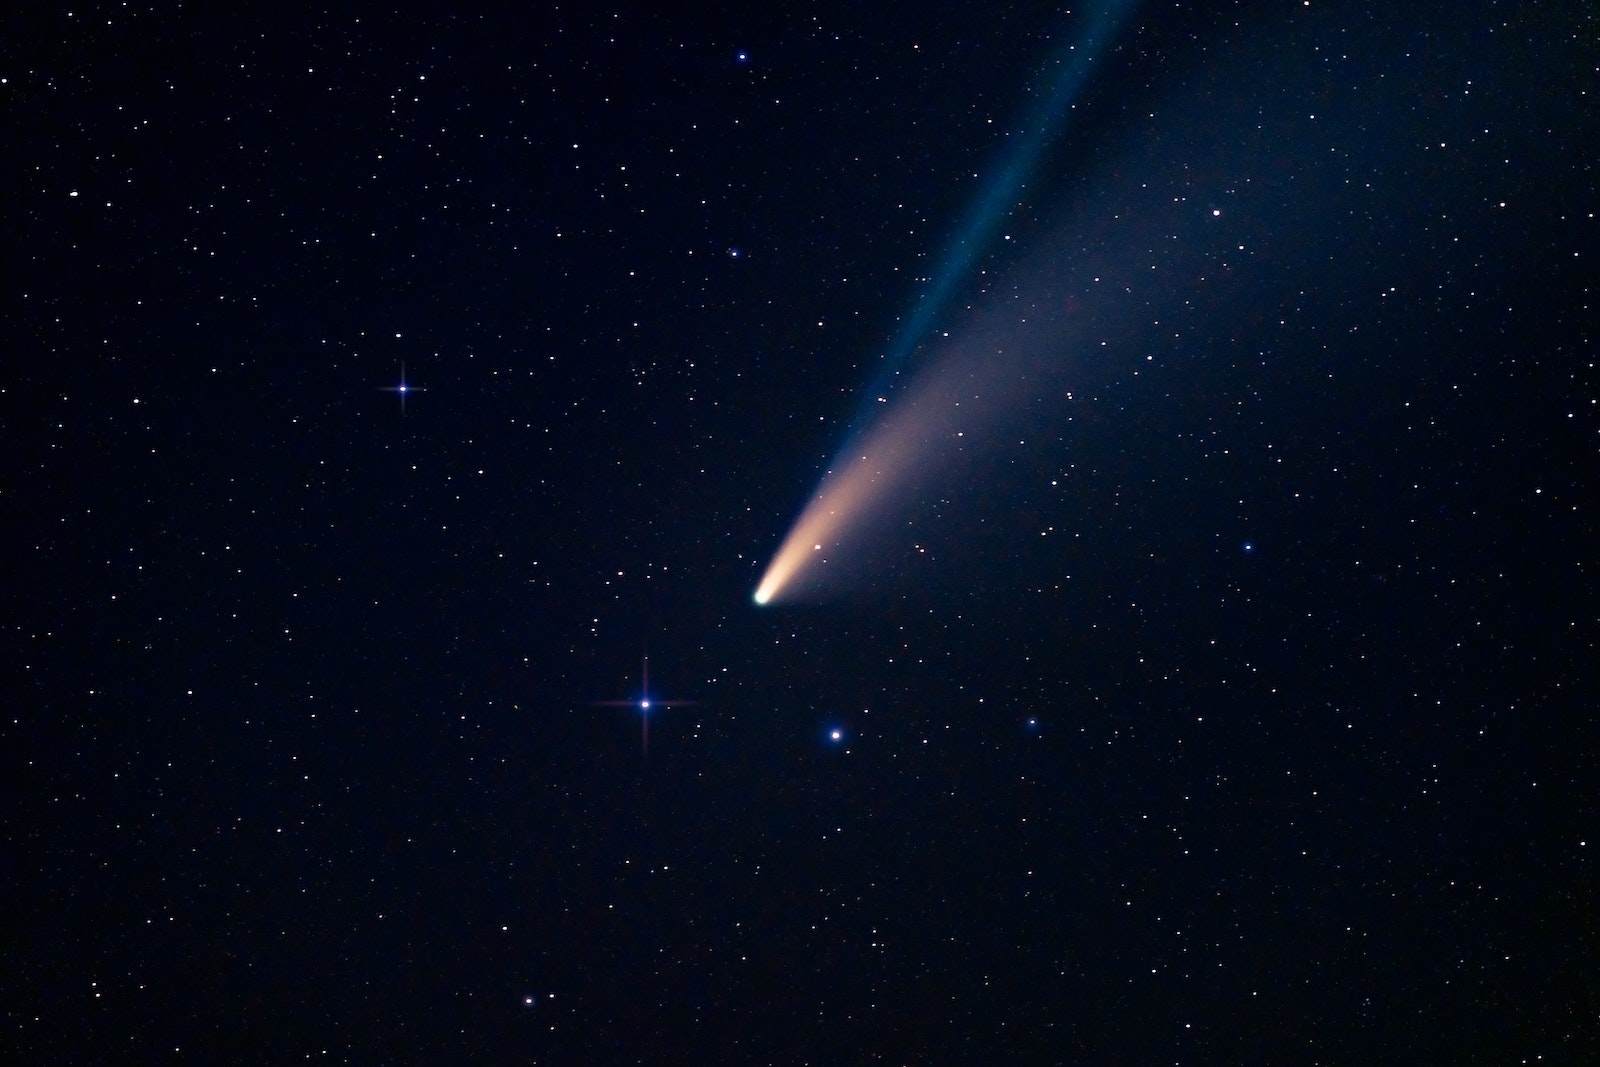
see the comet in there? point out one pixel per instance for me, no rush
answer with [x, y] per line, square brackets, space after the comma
[887, 447]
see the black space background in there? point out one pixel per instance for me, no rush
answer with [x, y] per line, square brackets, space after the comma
[1240, 710]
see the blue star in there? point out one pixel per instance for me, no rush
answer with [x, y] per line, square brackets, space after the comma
[403, 389]
[742, 58]
[644, 702]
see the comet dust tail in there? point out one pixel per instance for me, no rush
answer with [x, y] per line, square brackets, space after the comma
[871, 478]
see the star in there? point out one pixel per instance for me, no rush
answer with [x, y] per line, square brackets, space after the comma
[404, 389]
[644, 703]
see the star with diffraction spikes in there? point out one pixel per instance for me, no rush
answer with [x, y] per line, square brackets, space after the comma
[646, 704]
[404, 388]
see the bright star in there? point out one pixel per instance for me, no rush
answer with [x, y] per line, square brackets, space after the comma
[403, 389]
[644, 703]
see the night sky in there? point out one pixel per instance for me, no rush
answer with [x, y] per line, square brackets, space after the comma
[1217, 685]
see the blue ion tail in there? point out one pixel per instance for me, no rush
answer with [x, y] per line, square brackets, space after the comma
[1061, 82]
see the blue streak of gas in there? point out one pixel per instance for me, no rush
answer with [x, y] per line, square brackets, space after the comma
[1065, 76]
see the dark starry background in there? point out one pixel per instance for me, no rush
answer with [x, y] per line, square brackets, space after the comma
[1241, 710]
